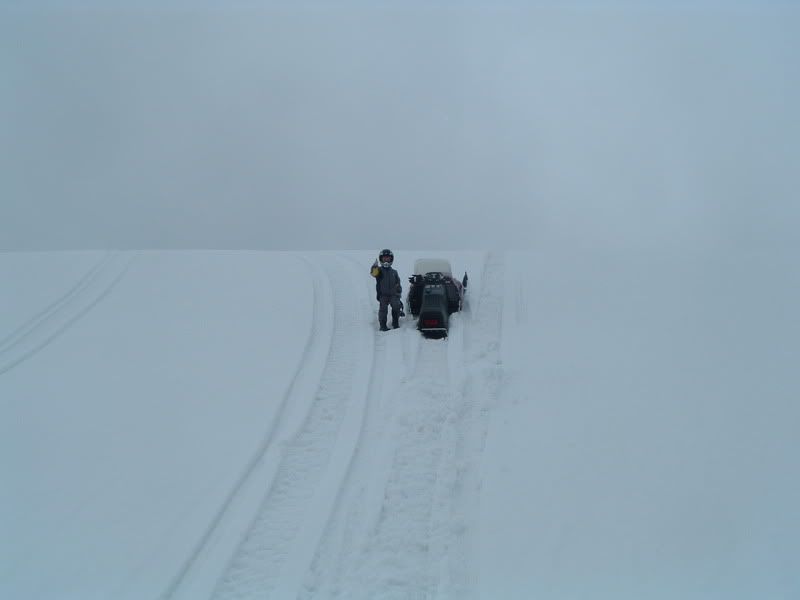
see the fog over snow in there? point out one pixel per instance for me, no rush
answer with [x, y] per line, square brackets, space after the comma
[434, 125]
[195, 401]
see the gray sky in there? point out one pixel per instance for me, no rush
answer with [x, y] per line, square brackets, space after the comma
[416, 126]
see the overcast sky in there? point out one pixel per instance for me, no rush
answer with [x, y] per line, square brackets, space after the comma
[416, 125]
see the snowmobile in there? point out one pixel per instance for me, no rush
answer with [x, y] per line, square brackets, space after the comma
[434, 295]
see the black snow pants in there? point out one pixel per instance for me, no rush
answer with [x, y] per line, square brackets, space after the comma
[383, 311]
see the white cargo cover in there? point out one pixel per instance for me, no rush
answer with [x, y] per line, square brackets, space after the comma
[432, 265]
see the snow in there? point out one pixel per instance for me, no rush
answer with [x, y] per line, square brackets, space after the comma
[224, 425]
[658, 428]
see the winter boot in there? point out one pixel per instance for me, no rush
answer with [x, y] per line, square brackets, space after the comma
[384, 327]
[395, 324]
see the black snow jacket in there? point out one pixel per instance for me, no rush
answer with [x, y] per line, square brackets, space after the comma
[387, 281]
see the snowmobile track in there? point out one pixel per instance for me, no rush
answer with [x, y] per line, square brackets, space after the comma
[58, 317]
[358, 496]
[399, 528]
[420, 543]
[274, 556]
[20, 332]
[197, 576]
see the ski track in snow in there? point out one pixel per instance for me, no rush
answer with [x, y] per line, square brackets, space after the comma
[59, 316]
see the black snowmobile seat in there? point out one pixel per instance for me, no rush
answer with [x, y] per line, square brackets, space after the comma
[434, 314]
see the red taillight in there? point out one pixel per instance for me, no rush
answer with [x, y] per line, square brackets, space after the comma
[430, 322]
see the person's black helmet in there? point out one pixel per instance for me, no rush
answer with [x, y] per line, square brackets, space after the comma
[384, 253]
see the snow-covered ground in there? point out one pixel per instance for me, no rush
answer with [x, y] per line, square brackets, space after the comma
[227, 425]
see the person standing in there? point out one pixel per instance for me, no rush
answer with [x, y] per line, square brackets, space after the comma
[387, 288]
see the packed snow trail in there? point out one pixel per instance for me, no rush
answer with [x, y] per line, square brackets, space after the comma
[233, 519]
[274, 553]
[404, 529]
[375, 491]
